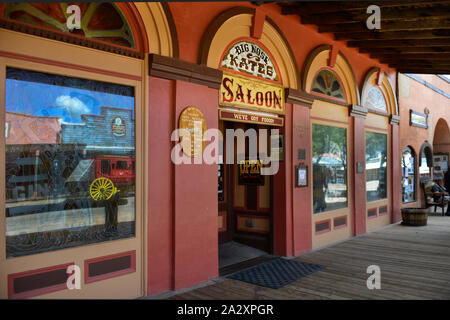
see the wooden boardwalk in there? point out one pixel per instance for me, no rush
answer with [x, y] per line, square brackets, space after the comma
[414, 263]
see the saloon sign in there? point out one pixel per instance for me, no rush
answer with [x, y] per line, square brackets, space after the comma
[238, 91]
[247, 57]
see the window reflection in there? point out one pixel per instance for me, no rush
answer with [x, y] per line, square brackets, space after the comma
[408, 175]
[376, 169]
[329, 168]
[70, 159]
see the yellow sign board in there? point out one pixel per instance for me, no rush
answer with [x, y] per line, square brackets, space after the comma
[193, 121]
[243, 92]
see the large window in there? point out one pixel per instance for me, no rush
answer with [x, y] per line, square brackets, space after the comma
[376, 166]
[70, 154]
[408, 175]
[329, 159]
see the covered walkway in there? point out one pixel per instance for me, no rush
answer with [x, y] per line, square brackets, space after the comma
[414, 263]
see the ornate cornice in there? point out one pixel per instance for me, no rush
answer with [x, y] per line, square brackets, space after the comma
[358, 111]
[394, 120]
[299, 97]
[176, 69]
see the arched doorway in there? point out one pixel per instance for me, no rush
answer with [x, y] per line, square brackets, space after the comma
[441, 148]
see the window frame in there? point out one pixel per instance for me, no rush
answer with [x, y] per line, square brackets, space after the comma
[414, 156]
[338, 211]
[98, 69]
[386, 134]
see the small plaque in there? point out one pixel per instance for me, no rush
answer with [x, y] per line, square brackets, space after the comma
[301, 154]
[301, 175]
[418, 119]
[360, 167]
[193, 120]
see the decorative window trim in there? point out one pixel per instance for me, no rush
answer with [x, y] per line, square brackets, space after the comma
[384, 112]
[322, 231]
[68, 38]
[325, 96]
[131, 269]
[342, 225]
[372, 216]
[38, 291]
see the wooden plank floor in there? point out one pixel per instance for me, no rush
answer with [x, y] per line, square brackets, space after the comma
[414, 263]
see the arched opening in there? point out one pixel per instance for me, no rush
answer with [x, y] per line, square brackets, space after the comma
[377, 95]
[327, 83]
[334, 88]
[441, 138]
[113, 27]
[408, 175]
[441, 148]
[425, 161]
[256, 71]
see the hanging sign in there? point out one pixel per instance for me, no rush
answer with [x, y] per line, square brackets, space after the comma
[238, 91]
[250, 58]
[193, 120]
[249, 118]
[250, 172]
[418, 119]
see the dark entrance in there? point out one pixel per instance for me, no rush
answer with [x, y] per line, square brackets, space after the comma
[245, 196]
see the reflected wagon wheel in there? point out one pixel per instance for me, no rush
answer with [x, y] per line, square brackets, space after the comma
[102, 189]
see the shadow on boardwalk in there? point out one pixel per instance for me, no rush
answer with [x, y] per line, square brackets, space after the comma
[414, 263]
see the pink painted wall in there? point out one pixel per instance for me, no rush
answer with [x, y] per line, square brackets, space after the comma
[359, 179]
[195, 199]
[160, 186]
[301, 197]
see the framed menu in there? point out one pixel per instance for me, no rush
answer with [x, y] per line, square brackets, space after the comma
[301, 176]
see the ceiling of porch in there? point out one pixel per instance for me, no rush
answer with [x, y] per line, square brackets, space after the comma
[414, 36]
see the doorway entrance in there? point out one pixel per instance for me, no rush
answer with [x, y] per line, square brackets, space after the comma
[245, 201]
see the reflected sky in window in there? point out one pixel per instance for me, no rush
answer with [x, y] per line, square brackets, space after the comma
[65, 102]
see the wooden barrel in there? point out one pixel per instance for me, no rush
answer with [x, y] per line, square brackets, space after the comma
[415, 216]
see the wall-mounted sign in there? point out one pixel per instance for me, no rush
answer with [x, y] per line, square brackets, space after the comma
[359, 167]
[250, 58]
[118, 127]
[301, 154]
[301, 175]
[418, 119]
[238, 91]
[250, 172]
[249, 118]
[192, 120]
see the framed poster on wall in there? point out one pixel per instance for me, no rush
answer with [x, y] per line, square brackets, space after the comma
[301, 175]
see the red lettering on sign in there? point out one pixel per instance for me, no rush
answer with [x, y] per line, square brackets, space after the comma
[259, 98]
[239, 93]
[268, 99]
[228, 89]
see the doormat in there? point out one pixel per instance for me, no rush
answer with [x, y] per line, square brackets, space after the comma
[277, 273]
[247, 264]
